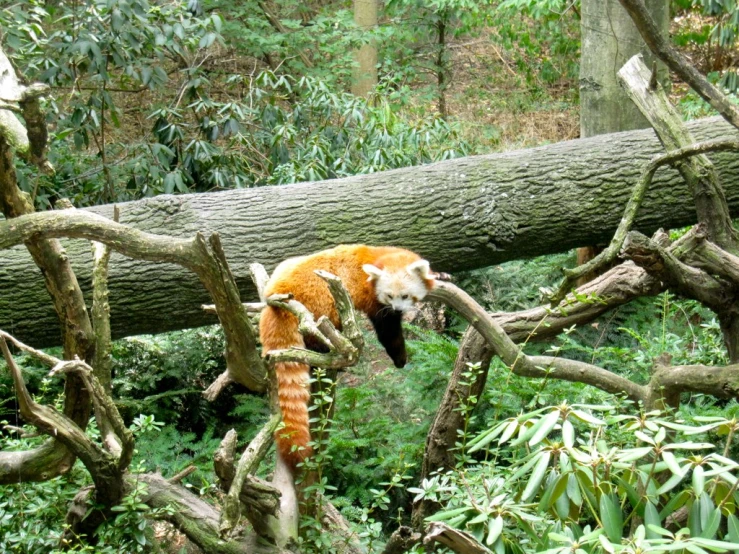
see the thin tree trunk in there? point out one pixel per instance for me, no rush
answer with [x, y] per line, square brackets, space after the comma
[364, 78]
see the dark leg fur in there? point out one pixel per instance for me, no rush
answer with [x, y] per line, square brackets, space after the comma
[389, 331]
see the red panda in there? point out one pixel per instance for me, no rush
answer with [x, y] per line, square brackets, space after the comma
[383, 282]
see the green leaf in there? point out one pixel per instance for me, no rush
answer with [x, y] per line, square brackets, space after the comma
[689, 446]
[587, 418]
[562, 506]
[568, 434]
[733, 528]
[670, 484]
[496, 528]
[694, 519]
[712, 524]
[611, 517]
[448, 514]
[674, 504]
[672, 463]
[651, 519]
[606, 544]
[483, 439]
[633, 454]
[546, 424]
[537, 475]
[546, 498]
[573, 490]
[699, 480]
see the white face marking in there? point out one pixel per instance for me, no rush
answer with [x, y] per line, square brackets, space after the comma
[398, 289]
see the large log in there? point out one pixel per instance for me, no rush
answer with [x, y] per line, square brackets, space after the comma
[461, 214]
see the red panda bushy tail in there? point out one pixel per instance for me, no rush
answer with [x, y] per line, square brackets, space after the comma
[278, 330]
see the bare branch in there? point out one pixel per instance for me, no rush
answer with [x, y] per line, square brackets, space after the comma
[43, 357]
[209, 264]
[699, 173]
[344, 348]
[306, 322]
[531, 366]
[637, 196]
[260, 277]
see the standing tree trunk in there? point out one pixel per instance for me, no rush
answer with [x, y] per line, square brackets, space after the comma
[609, 40]
[365, 72]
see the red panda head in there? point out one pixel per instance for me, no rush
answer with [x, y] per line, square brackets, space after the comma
[400, 285]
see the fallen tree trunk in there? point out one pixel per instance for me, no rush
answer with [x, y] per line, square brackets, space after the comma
[461, 214]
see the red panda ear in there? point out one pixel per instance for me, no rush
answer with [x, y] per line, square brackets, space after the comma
[374, 272]
[421, 268]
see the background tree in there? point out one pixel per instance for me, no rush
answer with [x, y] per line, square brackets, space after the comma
[610, 38]
[364, 78]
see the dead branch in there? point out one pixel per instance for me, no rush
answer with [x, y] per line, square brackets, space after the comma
[100, 312]
[402, 540]
[206, 260]
[699, 173]
[247, 465]
[608, 255]
[454, 539]
[683, 278]
[103, 466]
[442, 437]
[51, 259]
[531, 366]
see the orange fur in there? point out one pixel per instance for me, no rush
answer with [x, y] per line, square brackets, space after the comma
[278, 329]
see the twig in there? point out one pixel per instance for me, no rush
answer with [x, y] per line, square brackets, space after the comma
[182, 474]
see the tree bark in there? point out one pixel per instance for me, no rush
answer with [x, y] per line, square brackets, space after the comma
[609, 39]
[364, 75]
[461, 214]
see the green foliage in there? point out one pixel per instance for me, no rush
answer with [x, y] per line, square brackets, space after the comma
[561, 479]
[326, 35]
[31, 514]
[100, 51]
[381, 424]
[218, 131]
[715, 35]
[164, 375]
[628, 340]
[515, 285]
[377, 431]
[543, 36]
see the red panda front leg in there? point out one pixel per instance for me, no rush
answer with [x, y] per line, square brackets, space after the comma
[387, 324]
